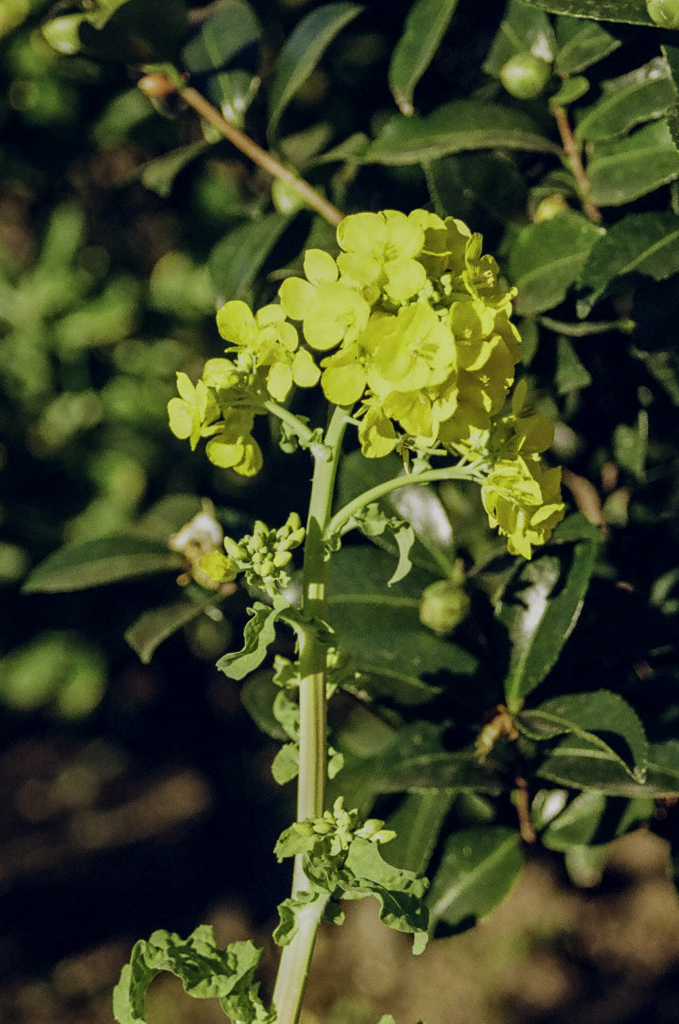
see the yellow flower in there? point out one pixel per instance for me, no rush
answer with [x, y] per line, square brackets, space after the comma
[195, 408]
[331, 311]
[523, 500]
[234, 447]
[380, 251]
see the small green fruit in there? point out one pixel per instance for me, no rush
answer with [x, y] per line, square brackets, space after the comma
[525, 76]
[550, 207]
[664, 12]
[443, 606]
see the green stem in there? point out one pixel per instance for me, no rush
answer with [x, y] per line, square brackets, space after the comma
[296, 957]
[467, 472]
[297, 426]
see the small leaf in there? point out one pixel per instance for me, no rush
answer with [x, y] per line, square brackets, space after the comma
[460, 771]
[97, 562]
[302, 51]
[580, 764]
[381, 629]
[581, 44]
[587, 715]
[228, 32]
[573, 89]
[157, 624]
[237, 259]
[625, 169]
[158, 175]
[258, 634]
[632, 12]
[523, 29]
[547, 257]
[630, 445]
[641, 95]
[479, 868]
[425, 27]
[642, 243]
[540, 608]
[570, 375]
[452, 128]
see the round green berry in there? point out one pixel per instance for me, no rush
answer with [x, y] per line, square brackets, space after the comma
[525, 75]
[664, 12]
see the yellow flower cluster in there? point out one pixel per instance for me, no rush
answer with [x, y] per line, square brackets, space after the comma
[413, 324]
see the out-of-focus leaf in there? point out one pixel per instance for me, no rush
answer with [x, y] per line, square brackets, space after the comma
[480, 866]
[135, 31]
[157, 624]
[258, 694]
[230, 30]
[630, 445]
[579, 764]
[570, 373]
[540, 608]
[453, 128]
[641, 95]
[625, 169]
[470, 185]
[417, 822]
[159, 174]
[547, 258]
[233, 92]
[96, 562]
[642, 243]
[593, 818]
[381, 630]
[589, 715]
[572, 90]
[236, 260]
[523, 29]
[425, 26]
[59, 670]
[460, 771]
[581, 44]
[302, 51]
[664, 366]
[632, 12]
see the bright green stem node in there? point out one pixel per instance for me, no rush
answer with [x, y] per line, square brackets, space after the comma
[296, 957]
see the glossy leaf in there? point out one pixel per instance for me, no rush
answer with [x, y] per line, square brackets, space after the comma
[631, 12]
[570, 374]
[258, 634]
[302, 51]
[642, 243]
[157, 624]
[540, 608]
[237, 259]
[475, 185]
[425, 26]
[623, 170]
[641, 95]
[453, 128]
[523, 29]
[417, 822]
[589, 715]
[453, 771]
[581, 44]
[547, 257]
[580, 764]
[228, 32]
[479, 868]
[381, 630]
[97, 562]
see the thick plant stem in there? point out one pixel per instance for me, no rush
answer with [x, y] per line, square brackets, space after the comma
[294, 966]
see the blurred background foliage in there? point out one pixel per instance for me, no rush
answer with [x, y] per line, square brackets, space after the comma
[125, 221]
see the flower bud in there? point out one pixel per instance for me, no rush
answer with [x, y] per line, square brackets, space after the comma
[664, 12]
[281, 559]
[525, 75]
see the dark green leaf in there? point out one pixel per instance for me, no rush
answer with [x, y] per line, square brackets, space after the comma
[135, 31]
[572, 90]
[479, 868]
[96, 562]
[159, 175]
[258, 634]
[460, 771]
[540, 608]
[453, 128]
[231, 29]
[417, 822]
[581, 44]
[157, 624]
[630, 445]
[547, 258]
[237, 259]
[258, 694]
[425, 26]
[523, 29]
[580, 764]
[575, 527]
[623, 170]
[642, 243]
[381, 630]
[641, 95]
[302, 51]
[593, 818]
[570, 373]
[585, 714]
[632, 12]
[475, 185]
[664, 366]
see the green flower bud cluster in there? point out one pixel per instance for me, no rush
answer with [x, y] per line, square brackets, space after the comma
[262, 555]
[329, 837]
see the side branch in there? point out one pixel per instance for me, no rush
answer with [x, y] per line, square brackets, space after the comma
[572, 151]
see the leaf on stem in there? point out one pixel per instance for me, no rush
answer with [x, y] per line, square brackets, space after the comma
[581, 44]
[258, 634]
[232, 29]
[97, 562]
[237, 259]
[579, 764]
[627, 168]
[632, 12]
[155, 625]
[425, 27]
[642, 95]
